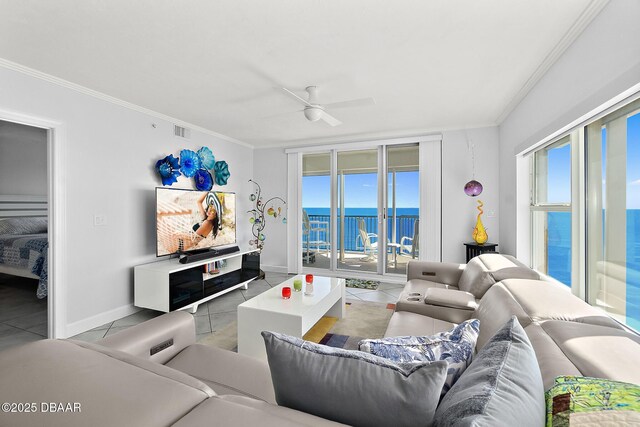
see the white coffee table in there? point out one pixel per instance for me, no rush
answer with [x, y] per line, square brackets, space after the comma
[295, 316]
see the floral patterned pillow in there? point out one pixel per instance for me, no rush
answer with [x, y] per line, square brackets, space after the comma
[455, 347]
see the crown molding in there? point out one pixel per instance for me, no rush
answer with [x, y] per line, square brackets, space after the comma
[108, 98]
[585, 18]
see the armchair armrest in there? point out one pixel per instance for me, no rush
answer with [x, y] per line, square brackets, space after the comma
[158, 340]
[440, 272]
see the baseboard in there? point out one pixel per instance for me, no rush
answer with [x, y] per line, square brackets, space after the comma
[274, 268]
[89, 323]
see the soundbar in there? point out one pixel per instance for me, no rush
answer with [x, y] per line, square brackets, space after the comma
[186, 258]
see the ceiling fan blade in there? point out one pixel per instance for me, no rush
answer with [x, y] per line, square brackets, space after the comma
[362, 102]
[329, 119]
[294, 96]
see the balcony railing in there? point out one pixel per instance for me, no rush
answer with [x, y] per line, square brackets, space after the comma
[404, 228]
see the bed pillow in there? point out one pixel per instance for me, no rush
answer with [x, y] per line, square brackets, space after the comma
[592, 401]
[456, 347]
[352, 387]
[23, 225]
[502, 387]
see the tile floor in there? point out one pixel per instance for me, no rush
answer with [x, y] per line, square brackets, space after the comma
[219, 312]
[23, 318]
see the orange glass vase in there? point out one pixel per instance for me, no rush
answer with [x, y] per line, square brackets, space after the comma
[479, 232]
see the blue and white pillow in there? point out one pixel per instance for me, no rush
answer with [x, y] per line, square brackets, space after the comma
[456, 347]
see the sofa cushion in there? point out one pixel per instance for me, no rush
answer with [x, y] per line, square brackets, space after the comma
[450, 298]
[601, 402]
[502, 387]
[416, 304]
[476, 278]
[496, 308]
[419, 286]
[486, 269]
[551, 360]
[226, 372]
[550, 301]
[408, 323]
[598, 351]
[352, 387]
[456, 347]
[232, 410]
[108, 385]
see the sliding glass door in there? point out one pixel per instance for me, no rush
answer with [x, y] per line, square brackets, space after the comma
[403, 207]
[359, 233]
[368, 200]
[316, 210]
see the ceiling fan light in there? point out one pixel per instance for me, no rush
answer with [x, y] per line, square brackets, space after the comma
[313, 114]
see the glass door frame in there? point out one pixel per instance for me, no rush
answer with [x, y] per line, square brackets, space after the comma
[382, 215]
[429, 187]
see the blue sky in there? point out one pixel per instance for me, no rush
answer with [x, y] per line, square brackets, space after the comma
[559, 168]
[360, 191]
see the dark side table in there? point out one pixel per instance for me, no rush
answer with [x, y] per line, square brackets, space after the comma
[474, 249]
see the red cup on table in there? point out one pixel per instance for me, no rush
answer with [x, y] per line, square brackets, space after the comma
[286, 292]
[308, 278]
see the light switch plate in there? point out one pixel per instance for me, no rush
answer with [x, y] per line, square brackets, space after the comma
[99, 220]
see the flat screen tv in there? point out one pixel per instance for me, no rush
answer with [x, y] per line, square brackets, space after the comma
[190, 220]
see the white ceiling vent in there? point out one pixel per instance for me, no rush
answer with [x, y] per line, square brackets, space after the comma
[181, 132]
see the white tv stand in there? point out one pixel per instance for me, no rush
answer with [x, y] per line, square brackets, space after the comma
[169, 285]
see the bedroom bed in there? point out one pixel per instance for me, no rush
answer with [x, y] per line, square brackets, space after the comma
[23, 239]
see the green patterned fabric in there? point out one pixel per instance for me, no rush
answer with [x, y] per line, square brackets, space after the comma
[581, 395]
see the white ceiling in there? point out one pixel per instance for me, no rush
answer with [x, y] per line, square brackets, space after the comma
[430, 65]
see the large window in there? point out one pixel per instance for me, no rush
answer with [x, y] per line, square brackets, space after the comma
[551, 210]
[585, 211]
[613, 217]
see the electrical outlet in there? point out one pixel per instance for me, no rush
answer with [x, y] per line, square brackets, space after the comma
[99, 220]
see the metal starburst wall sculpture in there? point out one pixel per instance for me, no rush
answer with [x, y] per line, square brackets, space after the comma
[274, 207]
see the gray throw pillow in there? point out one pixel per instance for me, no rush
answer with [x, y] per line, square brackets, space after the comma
[501, 387]
[352, 387]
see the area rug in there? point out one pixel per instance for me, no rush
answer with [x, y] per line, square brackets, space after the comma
[362, 284]
[363, 320]
[341, 341]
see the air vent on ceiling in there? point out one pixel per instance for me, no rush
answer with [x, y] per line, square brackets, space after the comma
[181, 132]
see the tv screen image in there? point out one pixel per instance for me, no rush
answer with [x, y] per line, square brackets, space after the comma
[189, 220]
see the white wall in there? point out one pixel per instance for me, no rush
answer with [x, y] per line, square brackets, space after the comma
[458, 210]
[603, 62]
[270, 171]
[23, 160]
[108, 170]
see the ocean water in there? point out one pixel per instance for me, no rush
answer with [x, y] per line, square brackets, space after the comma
[559, 257]
[405, 221]
[363, 211]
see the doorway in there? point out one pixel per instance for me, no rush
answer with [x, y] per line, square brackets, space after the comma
[361, 209]
[24, 233]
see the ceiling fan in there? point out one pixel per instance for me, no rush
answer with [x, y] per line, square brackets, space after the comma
[314, 111]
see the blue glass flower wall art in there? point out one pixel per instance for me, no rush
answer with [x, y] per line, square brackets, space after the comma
[221, 171]
[169, 169]
[207, 159]
[197, 165]
[189, 163]
[203, 180]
